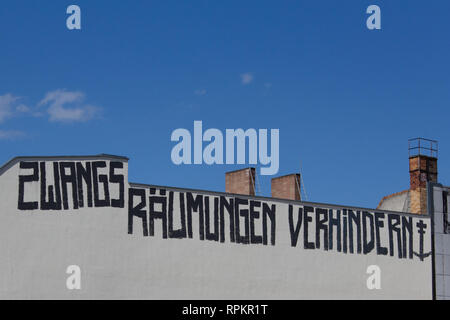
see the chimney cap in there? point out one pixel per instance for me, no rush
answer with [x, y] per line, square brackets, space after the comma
[286, 175]
[243, 169]
[422, 147]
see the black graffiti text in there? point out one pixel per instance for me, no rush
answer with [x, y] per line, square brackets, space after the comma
[90, 185]
[218, 218]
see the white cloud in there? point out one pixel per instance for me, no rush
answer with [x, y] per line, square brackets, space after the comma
[10, 135]
[58, 110]
[23, 109]
[246, 78]
[9, 107]
[200, 92]
[62, 105]
[6, 106]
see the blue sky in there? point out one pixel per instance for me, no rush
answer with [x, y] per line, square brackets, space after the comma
[344, 98]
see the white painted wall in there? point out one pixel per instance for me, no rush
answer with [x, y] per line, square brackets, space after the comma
[37, 246]
[442, 243]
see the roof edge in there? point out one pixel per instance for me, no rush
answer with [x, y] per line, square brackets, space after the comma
[97, 156]
[298, 202]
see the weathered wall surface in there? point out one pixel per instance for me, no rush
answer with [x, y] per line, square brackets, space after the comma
[146, 242]
[440, 199]
[399, 201]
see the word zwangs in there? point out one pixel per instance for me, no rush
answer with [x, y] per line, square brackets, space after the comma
[86, 181]
[213, 152]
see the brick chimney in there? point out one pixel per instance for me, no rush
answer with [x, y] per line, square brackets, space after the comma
[240, 181]
[286, 187]
[422, 168]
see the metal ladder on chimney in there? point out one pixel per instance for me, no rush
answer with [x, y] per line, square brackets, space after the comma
[256, 184]
[406, 204]
[302, 186]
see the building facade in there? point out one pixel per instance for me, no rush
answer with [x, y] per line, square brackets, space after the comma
[138, 241]
[438, 199]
